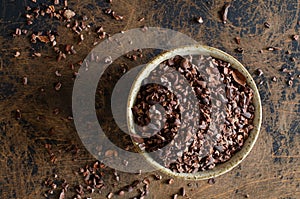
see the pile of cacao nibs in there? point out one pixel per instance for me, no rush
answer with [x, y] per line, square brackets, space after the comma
[192, 113]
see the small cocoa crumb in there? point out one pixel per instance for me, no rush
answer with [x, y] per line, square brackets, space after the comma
[225, 12]
[58, 86]
[295, 37]
[157, 177]
[267, 25]
[18, 114]
[141, 19]
[211, 181]
[239, 50]
[171, 181]
[182, 191]
[110, 195]
[259, 72]
[121, 193]
[17, 54]
[238, 40]
[37, 54]
[199, 20]
[274, 79]
[25, 80]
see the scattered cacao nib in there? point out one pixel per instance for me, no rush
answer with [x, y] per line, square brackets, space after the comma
[211, 181]
[141, 19]
[293, 59]
[171, 181]
[68, 14]
[261, 82]
[274, 79]
[18, 32]
[62, 194]
[225, 12]
[25, 80]
[199, 20]
[267, 25]
[182, 191]
[110, 195]
[57, 86]
[239, 50]
[259, 72]
[58, 74]
[296, 37]
[18, 114]
[129, 189]
[288, 52]
[273, 48]
[146, 181]
[238, 40]
[17, 54]
[121, 193]
[37, 54]
[157, 177]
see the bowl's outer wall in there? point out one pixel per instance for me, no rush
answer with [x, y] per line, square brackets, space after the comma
[213, 52]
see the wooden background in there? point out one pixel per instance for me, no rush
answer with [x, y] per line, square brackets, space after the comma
[272, 170]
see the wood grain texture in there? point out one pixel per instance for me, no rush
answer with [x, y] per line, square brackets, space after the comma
[272, 170]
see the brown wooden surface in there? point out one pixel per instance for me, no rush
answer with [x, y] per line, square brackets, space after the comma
[272, 170]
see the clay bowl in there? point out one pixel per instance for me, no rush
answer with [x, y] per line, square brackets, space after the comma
[239, 156]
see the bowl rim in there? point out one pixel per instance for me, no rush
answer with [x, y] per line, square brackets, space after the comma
[239, 156]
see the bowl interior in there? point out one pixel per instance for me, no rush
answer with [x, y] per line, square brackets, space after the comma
[213, 52]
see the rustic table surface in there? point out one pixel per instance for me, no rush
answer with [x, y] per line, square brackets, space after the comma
[44, 141]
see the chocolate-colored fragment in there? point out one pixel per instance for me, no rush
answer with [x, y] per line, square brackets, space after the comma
[239, 50]
[267, 25]
[199, 20]
[295, 37]
[121, 193]
[225, 12]
[239, 77]
[259, 72]
[182, 191]
[238, 40]
[57, 86]
[171, 181]
[18, 114]
[157, 177]
[110, 195]
[211, 181]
